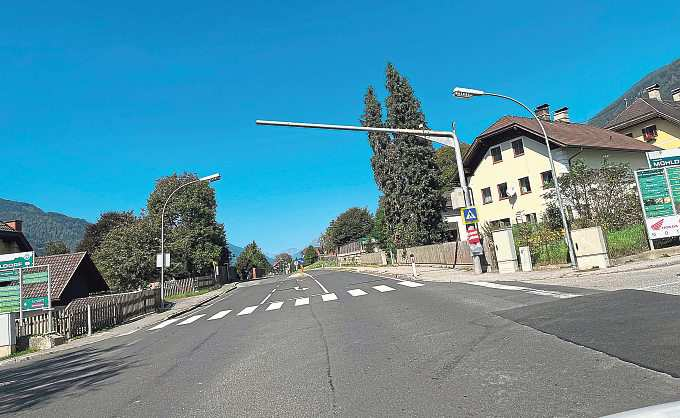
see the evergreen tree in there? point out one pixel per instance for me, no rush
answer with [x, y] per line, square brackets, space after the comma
[251, 257]
[56, 247]
[404, 166]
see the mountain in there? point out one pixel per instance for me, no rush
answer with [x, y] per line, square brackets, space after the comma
[41, 227]
[667, 77]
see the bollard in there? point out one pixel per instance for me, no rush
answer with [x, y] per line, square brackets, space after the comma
[89, 320]
[413, 265]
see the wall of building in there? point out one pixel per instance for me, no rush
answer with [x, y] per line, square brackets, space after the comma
[9, 247]
[531, 164]
[668, 134]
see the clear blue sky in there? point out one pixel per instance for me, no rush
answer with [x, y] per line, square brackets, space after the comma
[99, 100]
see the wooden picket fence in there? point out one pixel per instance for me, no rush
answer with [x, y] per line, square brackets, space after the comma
[192, 284]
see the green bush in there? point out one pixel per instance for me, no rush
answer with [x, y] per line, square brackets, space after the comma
[547, 245]
[627, 241]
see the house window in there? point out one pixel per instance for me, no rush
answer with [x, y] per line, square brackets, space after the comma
[518, 148]
[503, 191]
[496, 155]
[649, 133]
[524, 185]
[547, 179]
[531, 218]
[500, 223]
[630, 134]
[486, 195]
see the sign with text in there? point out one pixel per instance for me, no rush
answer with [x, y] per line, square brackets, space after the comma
[659, 190]
[16, 260]
[664, 158]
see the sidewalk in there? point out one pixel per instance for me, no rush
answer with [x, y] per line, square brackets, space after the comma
[178, 308]
[659, 274]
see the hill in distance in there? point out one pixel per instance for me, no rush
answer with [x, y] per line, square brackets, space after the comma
[667, 77]
[41, 227]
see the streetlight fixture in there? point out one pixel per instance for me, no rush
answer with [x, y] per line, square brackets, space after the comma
[447, 138]
[465, 93]
[207, 179]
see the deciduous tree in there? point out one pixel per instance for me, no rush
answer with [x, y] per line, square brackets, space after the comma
[94, 233]
[309, 255]
[56, 247]
[251, 257]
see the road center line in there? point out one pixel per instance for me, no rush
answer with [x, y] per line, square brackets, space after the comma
[317, 282]
[267, 298]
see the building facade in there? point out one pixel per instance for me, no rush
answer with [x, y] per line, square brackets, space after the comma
[651, 119]
[510, 171]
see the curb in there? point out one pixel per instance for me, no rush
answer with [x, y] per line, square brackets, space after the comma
[199, 304]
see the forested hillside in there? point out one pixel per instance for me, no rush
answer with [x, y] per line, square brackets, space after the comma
[42, 227]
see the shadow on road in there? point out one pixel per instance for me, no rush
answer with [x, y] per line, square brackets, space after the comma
[39, 382]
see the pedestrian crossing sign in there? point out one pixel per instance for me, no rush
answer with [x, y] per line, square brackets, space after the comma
[469, 215]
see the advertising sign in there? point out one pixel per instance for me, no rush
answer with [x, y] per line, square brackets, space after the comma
[659, 190]
[663, 158]
[16, 260]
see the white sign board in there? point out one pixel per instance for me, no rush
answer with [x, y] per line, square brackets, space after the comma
[668, 226]
[663, 158]
[16, 260]
[159, 260]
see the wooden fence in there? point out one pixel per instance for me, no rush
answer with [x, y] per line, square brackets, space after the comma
[378, 259]
[106, 310]
[449, 253]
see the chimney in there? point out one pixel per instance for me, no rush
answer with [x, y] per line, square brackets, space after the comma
[676, 94]
[562, 115]
[15, 225]
[654, 92]
[543, 112]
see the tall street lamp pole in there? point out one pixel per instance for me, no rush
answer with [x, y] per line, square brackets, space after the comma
[208, 179]
[447, 138]
[465, 93]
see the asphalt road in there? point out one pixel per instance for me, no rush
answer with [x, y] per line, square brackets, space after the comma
[380, 348]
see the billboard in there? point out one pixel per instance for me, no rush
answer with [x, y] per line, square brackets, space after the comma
[659, 191]
[663, 158]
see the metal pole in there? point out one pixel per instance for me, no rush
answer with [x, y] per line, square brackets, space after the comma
[560, 204]
[49, 300]
[21, 293]
[89, 320]
[447, 138]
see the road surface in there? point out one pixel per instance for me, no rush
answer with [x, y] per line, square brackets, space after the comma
[347, 344]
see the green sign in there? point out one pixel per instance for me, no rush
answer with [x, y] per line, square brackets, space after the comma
[33, 278]
[9, 276]
[16, 260]
[35, 303]
[654, 193]
[9, 298]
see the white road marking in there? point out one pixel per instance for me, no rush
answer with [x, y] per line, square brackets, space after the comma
[656, 285]
[356, 292]
[382, 288]
[128, 333]
[165, 324]
[267, 298]
[301, 301]
[220, 314]
[410, 284]
[323, 289]
[274, 306]
[328, 297]
[248, 310]
[500, 286]
[192, 319]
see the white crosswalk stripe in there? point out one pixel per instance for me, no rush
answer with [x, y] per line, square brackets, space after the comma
[191, 319]
[382, 288]
[357, 292]
[219, 315]
[165, 324]
[274, 306]
[248, 310]
[328, 297]
[410, 284]
[301, 301]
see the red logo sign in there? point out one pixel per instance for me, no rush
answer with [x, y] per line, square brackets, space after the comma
[657, 225]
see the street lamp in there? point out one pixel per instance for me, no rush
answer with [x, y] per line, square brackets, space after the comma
[207, 179]
[465, 93]
[447, 138]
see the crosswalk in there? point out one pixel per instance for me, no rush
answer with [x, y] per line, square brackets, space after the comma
[276, 305]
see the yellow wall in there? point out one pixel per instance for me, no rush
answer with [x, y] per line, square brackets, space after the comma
[668, 134]
[531, 164]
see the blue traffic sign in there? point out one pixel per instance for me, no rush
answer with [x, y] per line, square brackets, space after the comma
[469, 215]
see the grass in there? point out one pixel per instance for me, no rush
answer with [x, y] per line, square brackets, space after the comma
[321, 264]
[19, 353]
[627, 241]
[189, 294]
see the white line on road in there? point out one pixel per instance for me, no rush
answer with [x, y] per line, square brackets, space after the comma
[500, 286]
[328, 297]
[248, 310]
[128, 333]
[301, 301]
[268, 296]
[657, 285]
[219, 315]
[382, 288]
[165, 324]
[410, 284]
[274, 306]
[317, 282]
[356, 292]
[192, 319]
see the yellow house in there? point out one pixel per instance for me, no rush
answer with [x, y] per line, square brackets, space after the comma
[509, 166]
[651, 119]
